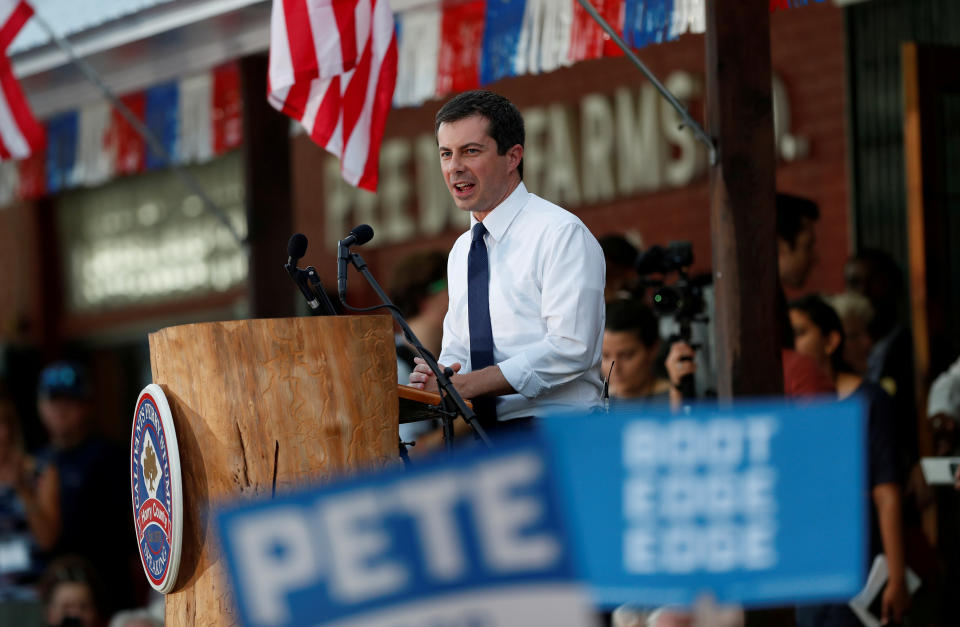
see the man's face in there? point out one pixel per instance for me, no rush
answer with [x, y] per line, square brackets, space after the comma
[795, 262]
[633, 370]
[478, 178]
[64, 418]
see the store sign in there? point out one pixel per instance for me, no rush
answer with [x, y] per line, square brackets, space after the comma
[609, 146]
[765, 504]
[473, 540]
[145, 239]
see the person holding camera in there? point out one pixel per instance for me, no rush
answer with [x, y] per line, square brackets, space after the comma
[631, 349]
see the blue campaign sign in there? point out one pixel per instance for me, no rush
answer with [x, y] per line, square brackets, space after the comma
[476, 539]
[759, 505]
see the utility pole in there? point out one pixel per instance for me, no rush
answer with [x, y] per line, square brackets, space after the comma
[742, 186]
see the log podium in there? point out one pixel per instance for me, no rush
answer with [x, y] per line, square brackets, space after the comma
[263, 406]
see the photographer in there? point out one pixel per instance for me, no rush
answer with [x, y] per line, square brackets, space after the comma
[683, 302]
[631, 342]
[631, 346]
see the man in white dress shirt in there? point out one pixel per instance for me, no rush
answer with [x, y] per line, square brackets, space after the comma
[532, 271]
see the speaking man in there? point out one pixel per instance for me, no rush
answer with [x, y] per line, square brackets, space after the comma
[524, 329]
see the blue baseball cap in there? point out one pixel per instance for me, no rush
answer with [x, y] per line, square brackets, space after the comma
[62, 379]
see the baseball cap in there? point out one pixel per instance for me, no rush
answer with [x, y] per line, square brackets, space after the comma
[62, 379]
[944, 397]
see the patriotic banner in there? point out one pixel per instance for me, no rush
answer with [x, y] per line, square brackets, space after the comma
[333, 66]
[776, 5]
[20, 134]
[481, 42]
[196, 119]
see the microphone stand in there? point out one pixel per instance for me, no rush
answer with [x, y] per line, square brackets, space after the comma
[452, 401]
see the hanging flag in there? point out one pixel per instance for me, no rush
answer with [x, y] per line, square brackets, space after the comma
[333, 67]
[461, 40]
[227, 108]
[122, 141]
[20, 134]
[504, 23]
[61, 161]
[418, 43]
[587, 38]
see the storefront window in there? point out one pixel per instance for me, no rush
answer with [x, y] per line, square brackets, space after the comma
[148, 239]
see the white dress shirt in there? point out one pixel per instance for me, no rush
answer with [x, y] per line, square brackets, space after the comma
[546, 306]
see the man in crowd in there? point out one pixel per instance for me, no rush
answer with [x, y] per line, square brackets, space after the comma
[524, 328]
[94, 482]
[796, 257]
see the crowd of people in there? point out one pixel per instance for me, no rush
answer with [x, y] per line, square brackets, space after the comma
[67, 546]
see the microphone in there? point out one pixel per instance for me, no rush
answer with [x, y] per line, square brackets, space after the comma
[359, 236]
[296, 249]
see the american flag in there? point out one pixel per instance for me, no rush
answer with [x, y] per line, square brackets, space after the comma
[333, 66]
[20, 134]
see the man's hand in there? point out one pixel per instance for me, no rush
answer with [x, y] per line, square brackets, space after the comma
[423, 378]
[680, 362]
[895, 601]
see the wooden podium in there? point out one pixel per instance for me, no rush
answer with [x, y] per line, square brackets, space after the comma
[260, 405]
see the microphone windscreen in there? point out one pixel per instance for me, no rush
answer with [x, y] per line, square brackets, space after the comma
[363, 233]
[297, 246]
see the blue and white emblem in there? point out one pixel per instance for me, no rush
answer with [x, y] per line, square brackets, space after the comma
[156, 489]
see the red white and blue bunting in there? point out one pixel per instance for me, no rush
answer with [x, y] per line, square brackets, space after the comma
[195, 118]
[463, 44]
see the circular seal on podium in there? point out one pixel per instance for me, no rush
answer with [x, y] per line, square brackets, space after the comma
[156, 489]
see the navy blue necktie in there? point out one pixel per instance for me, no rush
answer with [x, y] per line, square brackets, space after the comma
[478, 310]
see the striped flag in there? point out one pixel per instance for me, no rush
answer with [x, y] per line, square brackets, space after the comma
[333, 66]
[20, 134]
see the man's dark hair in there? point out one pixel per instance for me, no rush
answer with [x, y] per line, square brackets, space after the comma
[417, 276]
[506, 123]
[617, 250]
[826, 319]
[632, 315]
[881, 264]
[791, 211]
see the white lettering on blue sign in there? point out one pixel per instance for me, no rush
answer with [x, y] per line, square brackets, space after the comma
[699, 495]
[346, 542]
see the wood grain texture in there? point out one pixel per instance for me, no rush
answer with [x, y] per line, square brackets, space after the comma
[319, 395]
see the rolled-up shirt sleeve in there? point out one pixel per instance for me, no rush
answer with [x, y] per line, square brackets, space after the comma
[572, 310]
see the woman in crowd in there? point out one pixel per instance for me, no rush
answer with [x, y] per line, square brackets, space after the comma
[818, 333]
[70, 591]
[29, 510]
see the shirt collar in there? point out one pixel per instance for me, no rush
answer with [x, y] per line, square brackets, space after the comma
[498, 221]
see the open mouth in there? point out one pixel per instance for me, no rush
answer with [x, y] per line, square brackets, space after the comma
[462, 189]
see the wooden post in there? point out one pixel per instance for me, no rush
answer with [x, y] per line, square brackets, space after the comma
[742, 213]
[742, 216]
[266, 177]
[264, 403]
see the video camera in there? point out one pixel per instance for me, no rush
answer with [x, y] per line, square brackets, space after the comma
[682, 299]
